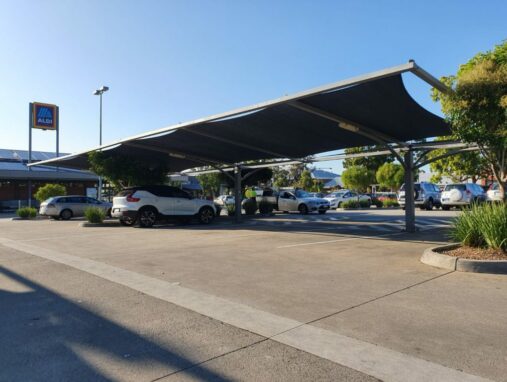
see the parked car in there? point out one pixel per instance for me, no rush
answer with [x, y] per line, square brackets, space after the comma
[336, 198]
[145, 205]
[301, 201]
[426, 196]
[66, 207]
[316, 194]
[224, 200]
[458, 195]
[493, 194]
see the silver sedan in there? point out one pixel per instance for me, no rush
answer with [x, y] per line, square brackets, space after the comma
[66, 207]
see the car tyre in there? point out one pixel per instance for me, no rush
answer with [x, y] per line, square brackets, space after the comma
[429, 205]
[108, 212]
[66, 214]
[147, 217]
[206, 215]
[303, 209]
[322, 212]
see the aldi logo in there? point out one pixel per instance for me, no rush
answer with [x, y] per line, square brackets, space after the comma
[44, 116]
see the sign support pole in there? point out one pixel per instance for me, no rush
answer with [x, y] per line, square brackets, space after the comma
[57, 133]
[30, 108]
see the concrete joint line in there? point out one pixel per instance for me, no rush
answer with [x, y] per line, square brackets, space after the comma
[377, 361]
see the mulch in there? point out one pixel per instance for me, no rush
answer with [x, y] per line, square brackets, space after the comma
[476, 253]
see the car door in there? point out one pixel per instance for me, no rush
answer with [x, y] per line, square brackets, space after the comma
[183, 204]
[284, 201]
[78, 205]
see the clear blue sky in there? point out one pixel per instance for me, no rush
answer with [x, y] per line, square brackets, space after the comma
[172, 61]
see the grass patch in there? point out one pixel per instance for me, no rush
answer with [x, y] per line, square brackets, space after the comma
[351, 204]
[389, 202]
[483, 226]
[26, 212]
[95, 214]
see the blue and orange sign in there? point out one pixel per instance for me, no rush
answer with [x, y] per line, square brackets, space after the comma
[44, 116]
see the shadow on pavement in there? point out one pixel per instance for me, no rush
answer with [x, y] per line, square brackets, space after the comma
[39, 328]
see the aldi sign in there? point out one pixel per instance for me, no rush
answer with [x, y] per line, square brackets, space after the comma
[44, 116]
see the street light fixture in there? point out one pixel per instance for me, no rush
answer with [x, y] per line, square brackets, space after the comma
[99, 92]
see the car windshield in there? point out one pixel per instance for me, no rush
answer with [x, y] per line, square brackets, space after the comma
[460, 187]
[335, 195]
[495, 187]
[302, 194]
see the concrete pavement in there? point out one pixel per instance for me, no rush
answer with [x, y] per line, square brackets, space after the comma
[339, 273]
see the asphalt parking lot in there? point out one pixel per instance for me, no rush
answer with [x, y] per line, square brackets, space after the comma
[341, 296]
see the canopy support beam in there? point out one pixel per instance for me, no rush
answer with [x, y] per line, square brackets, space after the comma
[237, 194]
[408, 164]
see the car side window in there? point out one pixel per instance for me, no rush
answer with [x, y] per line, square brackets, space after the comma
[180, 194]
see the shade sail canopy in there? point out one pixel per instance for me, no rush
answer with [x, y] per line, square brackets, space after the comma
[371, 109]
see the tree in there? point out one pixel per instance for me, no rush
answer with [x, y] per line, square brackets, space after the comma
[125, 171]
[372, 163]
[358, 178]
[390, 175]
[49, 190]
[306, 181]
[476, 107]
[210, 183]
[284, 176]
[458, 167]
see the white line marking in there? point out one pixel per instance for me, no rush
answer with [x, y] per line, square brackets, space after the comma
[377, 361]
[337, 240]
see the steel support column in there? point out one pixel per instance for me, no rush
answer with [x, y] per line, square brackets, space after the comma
[237, 194]
[409, 191]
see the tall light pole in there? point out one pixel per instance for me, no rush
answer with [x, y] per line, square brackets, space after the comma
[99, 92]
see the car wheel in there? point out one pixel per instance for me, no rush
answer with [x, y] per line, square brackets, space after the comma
[147, 217]
[322, 212]
[206, 215]
[446, 208]
[66, 214]
[339, 205]
[429, 205]
[303, 209]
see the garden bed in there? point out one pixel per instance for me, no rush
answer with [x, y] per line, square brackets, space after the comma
[465, 252]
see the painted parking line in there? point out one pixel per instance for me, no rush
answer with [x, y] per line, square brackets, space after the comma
[338, 240]
[371, 359]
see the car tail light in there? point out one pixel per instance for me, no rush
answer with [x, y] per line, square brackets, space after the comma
[130, 198]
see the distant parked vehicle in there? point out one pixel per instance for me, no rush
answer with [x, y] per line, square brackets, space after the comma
[336, 198]
[301, 201]
[459, 195]
[224, 200]
[493, 194]
[426, 196]
[145, 205]
[66, 207]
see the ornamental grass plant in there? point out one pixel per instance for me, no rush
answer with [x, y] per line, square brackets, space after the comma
[483, 226]
[94, 214]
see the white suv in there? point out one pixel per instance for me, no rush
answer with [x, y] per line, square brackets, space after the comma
[145, 205]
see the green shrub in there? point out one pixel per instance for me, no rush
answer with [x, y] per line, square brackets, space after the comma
[364, 203]
[483, 225]
[250, 206]
[231, 209]
[377, 203]
[351, 204]
[49, 190]
[265, 207]
[390, 203]
[26, 212]
[95, 214]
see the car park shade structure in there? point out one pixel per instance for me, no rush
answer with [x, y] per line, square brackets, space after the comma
[373, 109]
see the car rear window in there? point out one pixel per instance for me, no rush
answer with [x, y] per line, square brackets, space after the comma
[461, 187]
[417, 187]
[126, 192]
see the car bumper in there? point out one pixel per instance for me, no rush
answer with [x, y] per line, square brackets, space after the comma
[123, 213]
